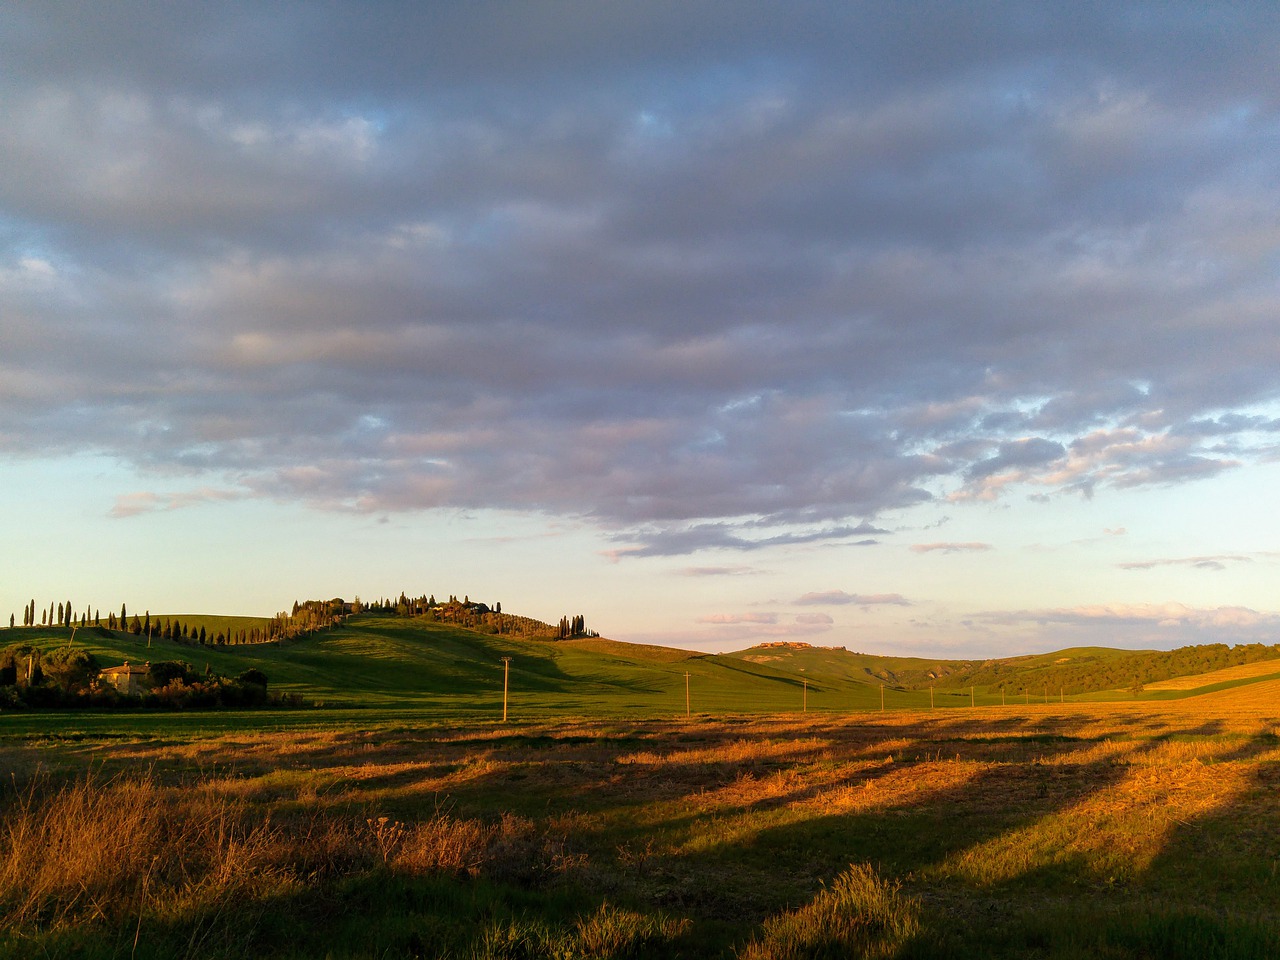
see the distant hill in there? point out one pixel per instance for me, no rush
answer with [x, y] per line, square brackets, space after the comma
[384, 661]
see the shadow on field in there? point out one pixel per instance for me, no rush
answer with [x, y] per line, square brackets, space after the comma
[1114, 834]
[1018, 833]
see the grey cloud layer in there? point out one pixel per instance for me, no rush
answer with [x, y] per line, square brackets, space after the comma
[715, 281]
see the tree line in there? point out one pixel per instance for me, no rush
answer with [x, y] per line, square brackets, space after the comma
[307, 617]
[71, 677]
[474, 615]
[1128, 670]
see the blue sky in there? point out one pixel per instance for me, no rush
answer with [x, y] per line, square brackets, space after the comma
[906, 328]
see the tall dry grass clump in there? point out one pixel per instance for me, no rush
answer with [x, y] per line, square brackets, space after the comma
[512, 848]
[101, 849]
[80, 849]
[857, 915]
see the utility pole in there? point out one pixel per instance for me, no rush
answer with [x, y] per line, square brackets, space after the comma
[686, 696]
[931, 697]
[882, 698]
[506, 673]
[971, 700]
[805, 702]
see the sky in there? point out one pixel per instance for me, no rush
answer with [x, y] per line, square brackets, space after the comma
[924, 329]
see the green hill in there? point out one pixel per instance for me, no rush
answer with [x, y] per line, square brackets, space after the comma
[392, 663]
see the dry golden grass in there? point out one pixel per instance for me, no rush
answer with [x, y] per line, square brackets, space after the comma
[104, 849]
[751, 819]
[1244, 671]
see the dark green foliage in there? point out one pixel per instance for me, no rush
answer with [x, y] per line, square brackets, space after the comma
[71, 668]
[164, 672]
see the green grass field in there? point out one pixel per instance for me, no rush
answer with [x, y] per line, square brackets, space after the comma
[414, 668]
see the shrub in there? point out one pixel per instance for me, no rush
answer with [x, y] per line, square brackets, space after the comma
[164, 672]
[71, 667]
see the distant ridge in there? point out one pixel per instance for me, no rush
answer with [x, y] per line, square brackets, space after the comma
[414, 660]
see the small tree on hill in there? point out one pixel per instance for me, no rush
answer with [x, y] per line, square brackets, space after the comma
[164, 672]
[71, 667]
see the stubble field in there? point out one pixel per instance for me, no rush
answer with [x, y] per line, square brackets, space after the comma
[1091, 830]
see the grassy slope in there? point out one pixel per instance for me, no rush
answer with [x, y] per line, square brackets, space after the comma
[388, 662]
[398, 665]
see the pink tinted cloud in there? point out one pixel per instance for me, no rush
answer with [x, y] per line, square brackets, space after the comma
[840, 598]
[736, 618]
[146, 501]
[949, 547]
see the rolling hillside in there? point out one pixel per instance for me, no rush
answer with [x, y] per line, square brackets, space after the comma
[393, 663]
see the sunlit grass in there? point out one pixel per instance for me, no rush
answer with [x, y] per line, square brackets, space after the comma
[985, 833]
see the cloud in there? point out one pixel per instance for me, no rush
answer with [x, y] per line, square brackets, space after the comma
[678, 541]
[1029, 452]
[814, 619]
[1217, 562]
[144, 501]
[734, 618]
[839, 598]
[969, 547]
[1148, 625]
[728, 629]
[731, 571]
[704, 281]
